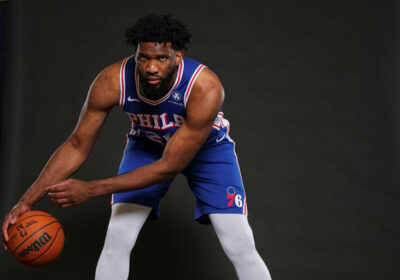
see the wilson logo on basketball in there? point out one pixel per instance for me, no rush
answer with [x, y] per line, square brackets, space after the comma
[21, 230]
[36, 245]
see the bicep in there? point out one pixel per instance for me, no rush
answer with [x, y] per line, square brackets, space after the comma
[102, 96]
[203, 106]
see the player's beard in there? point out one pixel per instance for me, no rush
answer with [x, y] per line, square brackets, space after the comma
[154, 92]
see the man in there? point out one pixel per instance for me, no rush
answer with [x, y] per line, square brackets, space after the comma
[174, 104]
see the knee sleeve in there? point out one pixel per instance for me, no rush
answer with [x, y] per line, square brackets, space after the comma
[124, 226]
[236, 238]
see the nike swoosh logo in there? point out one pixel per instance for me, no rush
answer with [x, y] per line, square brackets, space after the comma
[220, 139]
[133, 99]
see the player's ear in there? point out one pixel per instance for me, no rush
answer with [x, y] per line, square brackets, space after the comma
[179, 57]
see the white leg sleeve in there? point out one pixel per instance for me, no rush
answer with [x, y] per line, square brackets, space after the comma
[236, 237]
[125, 223]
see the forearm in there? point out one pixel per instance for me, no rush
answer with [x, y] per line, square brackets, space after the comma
[180, 150]
[142, 177]
[63, 163]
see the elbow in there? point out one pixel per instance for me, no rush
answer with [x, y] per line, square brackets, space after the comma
[171, 170]
[78, 146]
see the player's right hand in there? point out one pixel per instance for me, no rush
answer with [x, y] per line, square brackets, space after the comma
[12, 218]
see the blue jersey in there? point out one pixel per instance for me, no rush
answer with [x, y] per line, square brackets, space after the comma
[158, 120]
[213, 174]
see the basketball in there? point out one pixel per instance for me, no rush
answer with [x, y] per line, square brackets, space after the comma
[36, 239]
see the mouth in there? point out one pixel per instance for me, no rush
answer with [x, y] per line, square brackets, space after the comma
[153, 81]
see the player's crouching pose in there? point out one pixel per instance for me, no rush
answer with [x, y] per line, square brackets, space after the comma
[174, 104]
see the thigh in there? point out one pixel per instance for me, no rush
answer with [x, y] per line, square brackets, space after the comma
[215, 179]
[130, 214]
[136, 155]
[232, 226]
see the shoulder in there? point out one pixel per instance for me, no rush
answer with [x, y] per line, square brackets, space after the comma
[105, 88]
[206, 98]
[109, 76]
[205, 79]
[207, 85]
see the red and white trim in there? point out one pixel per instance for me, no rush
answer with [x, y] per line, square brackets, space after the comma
[156, 102]
[241, 178]
[221, 122]
[245, 206]
[122, 84]
[218, 121]
[191, 83]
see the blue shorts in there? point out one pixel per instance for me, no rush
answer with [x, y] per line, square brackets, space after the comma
[213, 176]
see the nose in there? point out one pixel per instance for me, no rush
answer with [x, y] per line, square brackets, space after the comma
[152, 67]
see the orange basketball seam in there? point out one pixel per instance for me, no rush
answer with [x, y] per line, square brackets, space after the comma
[33, 234]
[48, 248]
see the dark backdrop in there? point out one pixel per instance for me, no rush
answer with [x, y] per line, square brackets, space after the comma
[3, 49]
[312, 96]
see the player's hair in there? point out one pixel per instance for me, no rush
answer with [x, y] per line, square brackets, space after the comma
[158, 28]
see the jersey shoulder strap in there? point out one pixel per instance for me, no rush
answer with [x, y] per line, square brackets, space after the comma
[191, 70]
[127, 79]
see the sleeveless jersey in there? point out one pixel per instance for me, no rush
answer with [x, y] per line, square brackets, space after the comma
[158, 120]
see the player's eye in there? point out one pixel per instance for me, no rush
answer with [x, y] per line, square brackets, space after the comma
[142, 58]
[162, 58]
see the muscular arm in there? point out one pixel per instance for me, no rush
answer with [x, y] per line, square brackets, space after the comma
[202, 108]
[102, 96]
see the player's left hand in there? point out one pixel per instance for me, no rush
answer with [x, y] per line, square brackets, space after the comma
[70, 192]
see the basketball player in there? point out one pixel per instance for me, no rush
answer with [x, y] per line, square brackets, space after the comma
[174, 104]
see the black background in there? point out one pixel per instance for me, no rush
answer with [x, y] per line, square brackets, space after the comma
[312, 97]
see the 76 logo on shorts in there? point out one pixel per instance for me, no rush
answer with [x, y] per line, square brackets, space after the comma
[233, 197]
